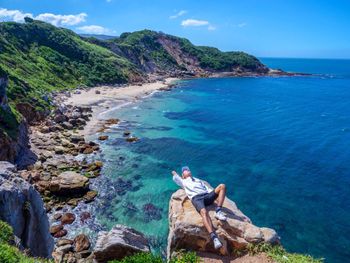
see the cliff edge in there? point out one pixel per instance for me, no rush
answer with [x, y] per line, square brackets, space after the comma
[187, 231]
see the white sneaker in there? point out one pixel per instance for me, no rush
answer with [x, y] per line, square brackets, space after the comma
[220, 216]
[217, 243]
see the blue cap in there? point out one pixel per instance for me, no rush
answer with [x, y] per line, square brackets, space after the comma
[185, 168]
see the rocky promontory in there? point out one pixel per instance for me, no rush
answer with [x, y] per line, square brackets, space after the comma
[187, 232]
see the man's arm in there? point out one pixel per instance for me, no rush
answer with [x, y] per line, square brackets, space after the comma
[177, 179]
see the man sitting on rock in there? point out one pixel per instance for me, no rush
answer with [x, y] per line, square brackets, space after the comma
[202, 196]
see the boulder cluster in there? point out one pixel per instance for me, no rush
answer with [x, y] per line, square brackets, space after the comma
[119, 242]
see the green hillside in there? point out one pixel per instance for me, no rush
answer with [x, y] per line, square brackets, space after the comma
[39, 58]
[152, 51]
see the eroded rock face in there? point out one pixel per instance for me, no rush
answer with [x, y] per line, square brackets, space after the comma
[188, 232]
[120, 242]
[13, 147]
[3, 85]
[22, 207]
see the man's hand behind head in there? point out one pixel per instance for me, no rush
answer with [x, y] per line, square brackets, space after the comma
[174, 173]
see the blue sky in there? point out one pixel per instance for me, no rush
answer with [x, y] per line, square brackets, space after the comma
[265, 28]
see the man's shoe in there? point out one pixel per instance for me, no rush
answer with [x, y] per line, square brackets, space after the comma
[217, 243]
[220, 216]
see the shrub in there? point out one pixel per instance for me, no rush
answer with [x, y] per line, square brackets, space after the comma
[140, 258]
[280, 255]
[8, 254]
[6, 233]
[183, 257]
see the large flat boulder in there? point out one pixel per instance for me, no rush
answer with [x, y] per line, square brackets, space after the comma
[22, 207]
[118, 243]
[188, 232]
[69, 183]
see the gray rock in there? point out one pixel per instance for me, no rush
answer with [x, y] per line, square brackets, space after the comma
[22, 207]
[118, 243]
[65, 248]
[77, 138]
[67, 125]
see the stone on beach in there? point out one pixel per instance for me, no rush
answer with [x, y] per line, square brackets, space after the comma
[118, 243]
[67, 218]
[81, 243]
[68, 183]
[188, 232]
[103, 137]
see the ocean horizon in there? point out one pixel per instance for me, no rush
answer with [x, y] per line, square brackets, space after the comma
[280, 144]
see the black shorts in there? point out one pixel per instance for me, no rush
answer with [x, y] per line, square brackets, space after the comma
[202, 200]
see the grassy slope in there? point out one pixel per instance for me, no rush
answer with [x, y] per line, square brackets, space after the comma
[145, 45]
[40, 58]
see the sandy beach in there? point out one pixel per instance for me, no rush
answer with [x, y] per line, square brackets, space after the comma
[103, 98]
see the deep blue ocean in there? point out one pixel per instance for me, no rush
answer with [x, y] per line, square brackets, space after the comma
[280, 144]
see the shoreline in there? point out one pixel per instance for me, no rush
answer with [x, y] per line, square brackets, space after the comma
[103, 99]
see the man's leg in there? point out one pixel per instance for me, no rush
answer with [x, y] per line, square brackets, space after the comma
[209, 226]
[206, 220]
[220, 190]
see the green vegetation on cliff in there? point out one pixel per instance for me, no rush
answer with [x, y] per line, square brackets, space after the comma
[189, 257]
[39, 58]
[280, 255]
[165, 52]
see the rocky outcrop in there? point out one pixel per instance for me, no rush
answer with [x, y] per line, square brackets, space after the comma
[13, 131]
[188, 232]
[3, 85]
[22, 207]
[120, 242]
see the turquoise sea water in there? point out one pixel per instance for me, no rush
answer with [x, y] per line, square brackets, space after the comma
[280, 144]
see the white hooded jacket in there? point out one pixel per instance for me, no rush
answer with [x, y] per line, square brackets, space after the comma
[192, 186]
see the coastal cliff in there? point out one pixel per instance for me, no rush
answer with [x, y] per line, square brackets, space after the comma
[13, 127]
[38, 59]
[22, 208]
[163, 54]
[186, 229]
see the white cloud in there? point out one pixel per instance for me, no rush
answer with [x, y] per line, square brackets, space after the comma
[13, 15]
[178, 14]
[94, 29]
[242, 24]
[57, 20]
[62, 20]
[197, 23]
[194, 22]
